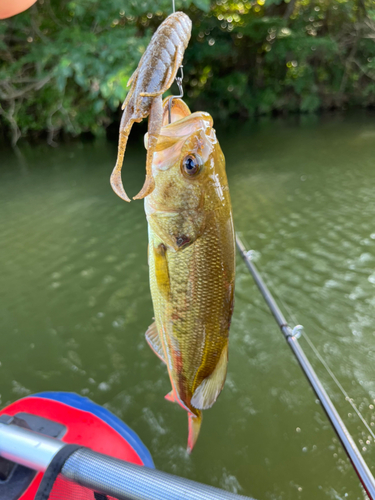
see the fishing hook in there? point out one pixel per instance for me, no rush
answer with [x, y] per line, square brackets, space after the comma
[181, 94]
[178, 81]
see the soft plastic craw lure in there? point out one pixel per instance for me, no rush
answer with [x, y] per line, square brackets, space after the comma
[154, 75]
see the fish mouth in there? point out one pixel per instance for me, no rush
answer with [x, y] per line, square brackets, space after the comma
[172, 113]
[175, 111]
[182, 125]
[193, 132]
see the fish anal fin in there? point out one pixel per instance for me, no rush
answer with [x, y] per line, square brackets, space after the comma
[171, 397]
[195, 422]
[153, 340]
[207, 392]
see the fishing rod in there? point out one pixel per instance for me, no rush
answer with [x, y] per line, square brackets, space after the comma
[291, 336]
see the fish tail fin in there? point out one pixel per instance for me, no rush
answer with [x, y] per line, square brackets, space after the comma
[195, 422]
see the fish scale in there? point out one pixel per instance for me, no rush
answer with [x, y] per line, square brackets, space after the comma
[191, 262]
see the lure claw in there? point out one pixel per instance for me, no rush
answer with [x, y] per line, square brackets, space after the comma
[147, 189]
[147, 84]
[116, 183]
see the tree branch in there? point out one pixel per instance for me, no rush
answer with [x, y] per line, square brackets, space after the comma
[16, 94]
[9, 115]
[289, 9]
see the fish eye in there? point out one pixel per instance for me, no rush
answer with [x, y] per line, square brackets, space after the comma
[191, 165]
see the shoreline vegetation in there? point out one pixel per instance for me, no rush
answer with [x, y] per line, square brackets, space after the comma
[64, 65]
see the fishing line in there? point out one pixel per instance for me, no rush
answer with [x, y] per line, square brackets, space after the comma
[333, 376]
[318, 355]
[327, 367]
[178, 81]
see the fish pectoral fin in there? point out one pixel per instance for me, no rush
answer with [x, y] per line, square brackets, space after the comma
[195, 422]
[153, 340]
[171, 397]
[207, 392]
[161, 270]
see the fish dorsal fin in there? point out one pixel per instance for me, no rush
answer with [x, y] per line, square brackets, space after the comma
[207, 392]
[153, 340]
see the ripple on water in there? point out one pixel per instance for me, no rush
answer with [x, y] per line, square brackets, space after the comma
[75, 286]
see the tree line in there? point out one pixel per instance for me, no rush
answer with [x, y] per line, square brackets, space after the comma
[64, 64]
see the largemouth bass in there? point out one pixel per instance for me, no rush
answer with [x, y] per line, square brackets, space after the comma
[191, 260]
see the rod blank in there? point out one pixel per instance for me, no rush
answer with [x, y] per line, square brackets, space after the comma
[360, 466]
[102, 473]
[127, 481]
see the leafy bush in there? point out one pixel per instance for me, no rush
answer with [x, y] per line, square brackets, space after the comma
[65, 64]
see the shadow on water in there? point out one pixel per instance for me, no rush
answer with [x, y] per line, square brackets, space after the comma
[75, 301]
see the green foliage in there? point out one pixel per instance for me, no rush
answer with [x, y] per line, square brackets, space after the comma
[301, 55]
[65, 63]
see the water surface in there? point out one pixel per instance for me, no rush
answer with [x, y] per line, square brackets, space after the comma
[75, 301]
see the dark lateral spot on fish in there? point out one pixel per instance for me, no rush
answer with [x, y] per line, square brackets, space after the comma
[161, 249]
[182, 240]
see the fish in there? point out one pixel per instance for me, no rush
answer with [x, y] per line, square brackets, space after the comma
[154, 75]
[191, 259]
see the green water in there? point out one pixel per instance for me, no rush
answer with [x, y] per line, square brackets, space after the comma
[75, 302]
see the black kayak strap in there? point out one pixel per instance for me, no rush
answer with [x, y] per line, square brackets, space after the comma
[53, 470]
